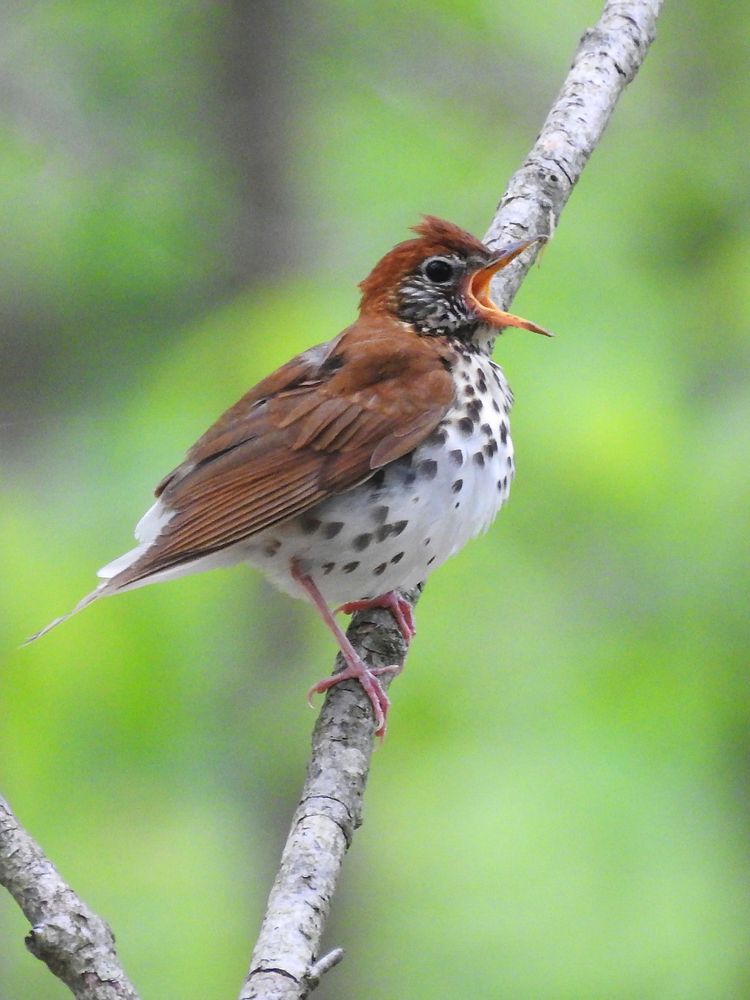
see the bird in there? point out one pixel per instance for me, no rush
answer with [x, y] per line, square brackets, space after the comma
[362, 464]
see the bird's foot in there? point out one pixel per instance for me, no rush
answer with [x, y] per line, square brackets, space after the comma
[398, 606]
[368, 678]
[356, 668]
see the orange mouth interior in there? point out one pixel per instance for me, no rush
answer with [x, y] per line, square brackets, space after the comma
[479, 291]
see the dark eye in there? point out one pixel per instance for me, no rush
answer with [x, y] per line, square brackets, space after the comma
[439, 270]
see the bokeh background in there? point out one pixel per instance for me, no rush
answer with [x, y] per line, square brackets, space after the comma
[189, 192]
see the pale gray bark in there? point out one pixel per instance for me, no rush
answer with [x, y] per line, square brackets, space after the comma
[76, 944]
[608, 57]
[329, 812]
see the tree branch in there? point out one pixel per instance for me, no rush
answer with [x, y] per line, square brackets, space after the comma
[323, 825]
[608, 57]
[76, 944]
[283, 964]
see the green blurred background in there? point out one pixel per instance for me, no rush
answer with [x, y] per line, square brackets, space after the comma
[188, 194]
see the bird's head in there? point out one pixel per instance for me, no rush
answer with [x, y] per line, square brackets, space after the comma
[439, 283]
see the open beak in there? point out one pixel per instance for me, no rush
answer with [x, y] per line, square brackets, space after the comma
[479, 291]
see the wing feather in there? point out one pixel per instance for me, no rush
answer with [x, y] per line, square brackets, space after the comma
[321, 424]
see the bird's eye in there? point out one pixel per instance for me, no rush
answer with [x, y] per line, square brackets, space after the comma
[439, 270]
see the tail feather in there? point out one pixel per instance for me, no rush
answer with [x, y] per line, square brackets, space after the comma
[126, 573]
[123, 562]
[109, 575]
[100, 591]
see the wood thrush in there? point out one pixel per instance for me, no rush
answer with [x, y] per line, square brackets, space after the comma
[361, 465]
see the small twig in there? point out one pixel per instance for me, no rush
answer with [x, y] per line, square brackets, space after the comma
[76, 944]
[319, 969]
[283, 963]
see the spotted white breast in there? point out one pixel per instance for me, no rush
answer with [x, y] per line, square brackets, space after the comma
[393, 529]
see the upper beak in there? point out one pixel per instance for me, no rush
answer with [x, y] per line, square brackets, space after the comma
[479, 290]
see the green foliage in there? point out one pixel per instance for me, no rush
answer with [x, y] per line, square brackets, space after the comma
[560, 809]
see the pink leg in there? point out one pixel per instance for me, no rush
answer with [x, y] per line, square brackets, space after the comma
[393, 602]
[356, 668]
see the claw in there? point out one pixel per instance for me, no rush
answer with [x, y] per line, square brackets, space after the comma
[368, 678]
[393, 602]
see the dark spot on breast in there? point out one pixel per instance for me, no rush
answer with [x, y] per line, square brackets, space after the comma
[457, 504]
[379, 514]
[309, 524]
[379, 570]
[469, 390]
[332, 529]
[490, 448]
[478, 459]
[438, 437]
[327, 567]
[378, 479]
[399, 526]
[431, 561]
[505, 482]
[474, 407]
[383, 532]
[427, 541]
[362, 541]
[503, 432]
[486, 429]
[398, 557]
[271, 547]
[427, 468]
[457, 486]
[457, 456]
[350, 567]
[410, 478]
[465, 425]
[509, 462]
[481, 382]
